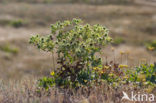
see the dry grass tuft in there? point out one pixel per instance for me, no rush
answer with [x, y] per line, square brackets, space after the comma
[27, 92]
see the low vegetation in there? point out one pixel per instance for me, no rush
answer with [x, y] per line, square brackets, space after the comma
[117, 41]
[13, 23]
[16, 23]
[9, 49]
[151, 46]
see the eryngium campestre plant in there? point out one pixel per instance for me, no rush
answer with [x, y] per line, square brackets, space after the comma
[76, 45]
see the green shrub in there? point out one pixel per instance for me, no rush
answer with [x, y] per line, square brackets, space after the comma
[76, 46]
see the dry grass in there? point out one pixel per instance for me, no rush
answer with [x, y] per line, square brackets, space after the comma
[27, 92]
[136, 24]
[74, 1]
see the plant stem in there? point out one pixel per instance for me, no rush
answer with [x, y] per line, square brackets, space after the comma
[53, 60]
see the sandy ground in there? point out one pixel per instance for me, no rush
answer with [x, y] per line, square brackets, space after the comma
[146, 2]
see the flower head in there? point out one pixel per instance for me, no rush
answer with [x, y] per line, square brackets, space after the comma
[142, 77]
[52, 73]
[95, 68]
[85, 81]
[101, 72]
[106, 67]
[125, 77]
[123, 66]
[122, 52]
[151, 48]
[111, 74]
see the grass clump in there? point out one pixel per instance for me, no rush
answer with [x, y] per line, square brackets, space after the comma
[117, 41]
[9, 49]
[16, 23]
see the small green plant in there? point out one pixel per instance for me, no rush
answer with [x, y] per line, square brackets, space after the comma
[151, 45]
[9, 49]
[144, 75]
[16, 23]
[118, 41]
[76, 46]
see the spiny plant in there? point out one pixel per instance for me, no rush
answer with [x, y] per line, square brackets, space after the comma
[76, 45]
